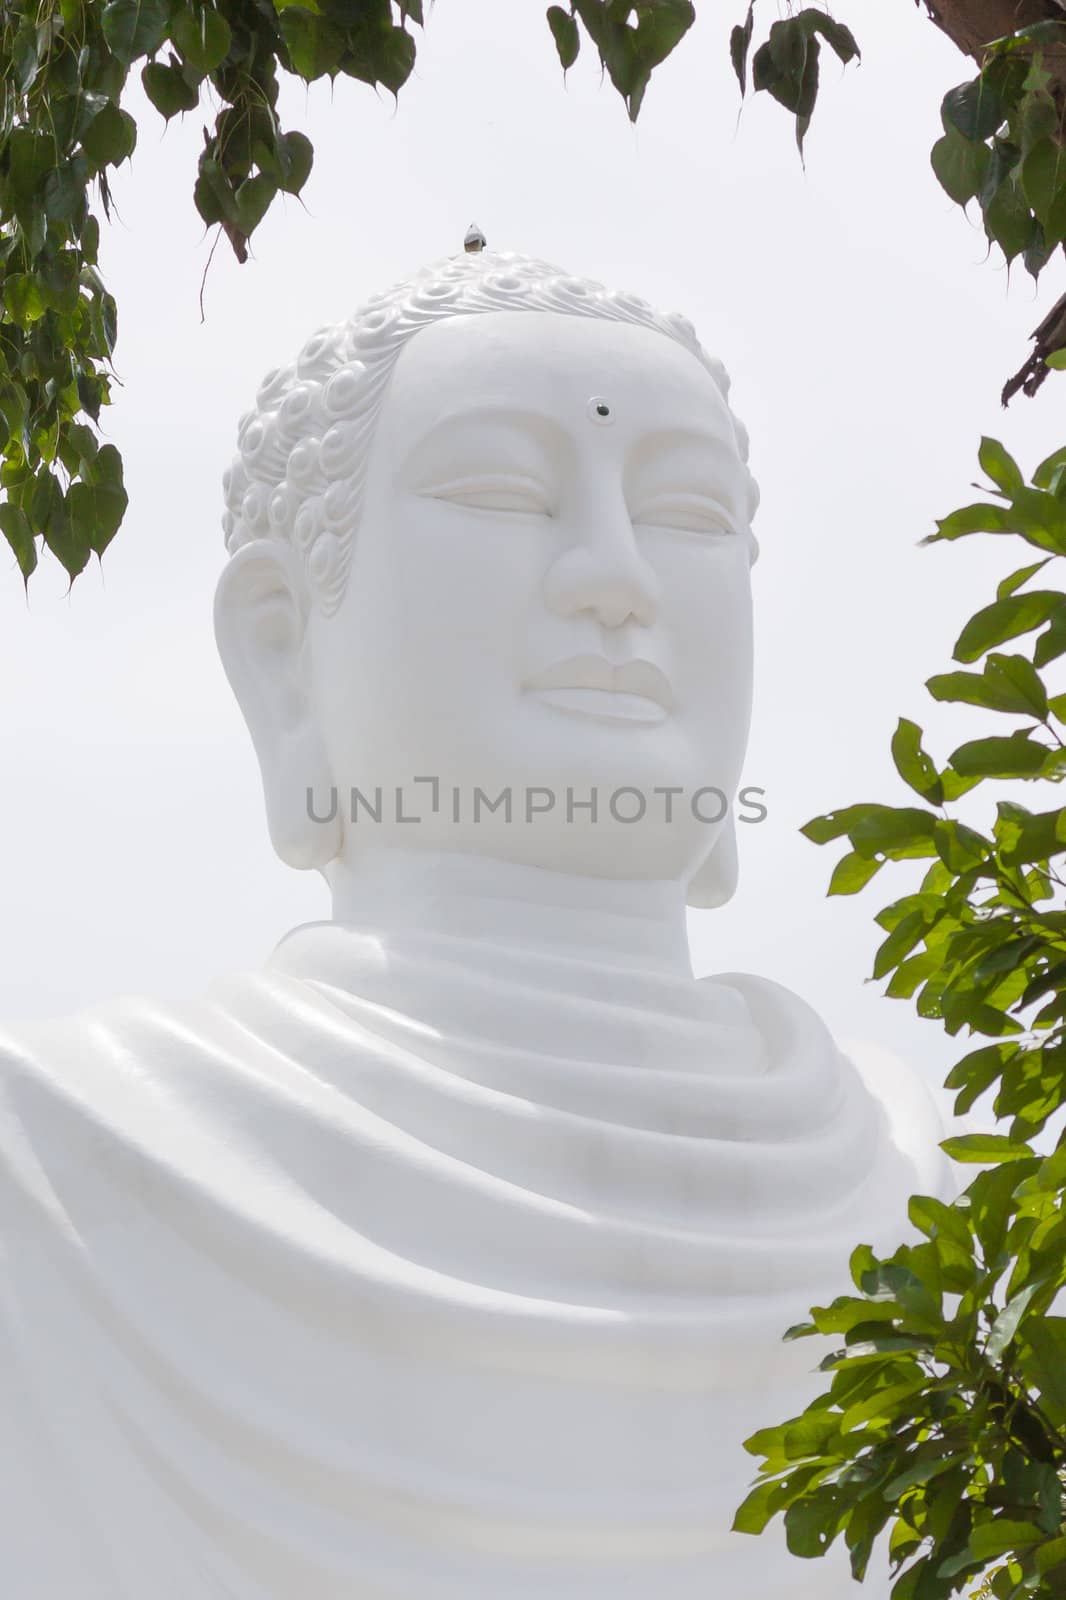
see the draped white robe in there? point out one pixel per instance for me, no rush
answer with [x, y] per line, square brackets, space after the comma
[309, 1292]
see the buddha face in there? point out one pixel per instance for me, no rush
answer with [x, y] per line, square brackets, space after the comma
[549, 597]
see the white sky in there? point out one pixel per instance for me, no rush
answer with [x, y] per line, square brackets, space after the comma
[867, 337]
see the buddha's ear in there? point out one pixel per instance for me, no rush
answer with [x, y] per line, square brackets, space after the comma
[715, 881]
[261, 611]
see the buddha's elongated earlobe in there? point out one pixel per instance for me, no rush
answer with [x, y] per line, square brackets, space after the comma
[715, 881]
[260, 625]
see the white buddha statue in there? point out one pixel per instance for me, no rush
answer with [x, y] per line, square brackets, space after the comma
[448, 1258]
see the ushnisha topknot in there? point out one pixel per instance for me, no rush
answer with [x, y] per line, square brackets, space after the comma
[303, 451]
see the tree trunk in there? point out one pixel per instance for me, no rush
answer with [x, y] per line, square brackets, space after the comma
[972, 24]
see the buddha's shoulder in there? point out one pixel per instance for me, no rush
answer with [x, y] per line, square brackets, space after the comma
[121, 1038]
[918, 1112]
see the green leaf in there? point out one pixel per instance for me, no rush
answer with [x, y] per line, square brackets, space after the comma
[1042, 1358]
[66, 542]
[1052, 643]
[168, 90]
[739, 45]
[1038, 252]
[104, 321]
[1038, 836]
[110, 137]
[852, 873]
[912, 973]
[757, 1509]
[940, 1221]
[1008, 220]
[979, 518]
[23, 300]
[1003, 1536]
[97, 512]
[901, 832]
[992, 689]
[1037, 117]
[959, 847]
[900, 942]
[1049, 470]
[1007, 1322]
[15, 527]
[1022, 576]
[253, 201]
[974, 109]
[1051, 1555]
[213, 194]
[1039, 517]
[630, 54]
[1016, 757]
[822, 830]
[30, 156]
[64, 190]
[913, 764]
[203, 36]
[315, 46]
[787, 66]
[1006, 619]
[836, 35]
[1043, 176]
[134, 28]
[985, 1148]
[565, 33]
[810, 1528]
[1000, 466]
[1016, 677]
[961, 165]
[789, 43]
[923, 1471]
[297, 157]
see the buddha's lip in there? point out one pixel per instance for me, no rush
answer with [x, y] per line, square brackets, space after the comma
[596, 672]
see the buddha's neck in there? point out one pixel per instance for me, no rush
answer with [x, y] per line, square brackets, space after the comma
[630, 923]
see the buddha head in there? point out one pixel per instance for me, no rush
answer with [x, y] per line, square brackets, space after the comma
[492, 536]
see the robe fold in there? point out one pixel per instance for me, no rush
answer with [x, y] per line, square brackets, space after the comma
[421, 1269]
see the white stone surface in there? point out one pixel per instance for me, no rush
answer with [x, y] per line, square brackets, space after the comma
[449, 1256]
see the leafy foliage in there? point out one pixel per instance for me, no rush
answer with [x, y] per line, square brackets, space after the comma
[632, 38]
[1003, 146]
[787, 63]
[944, 1421]
[64, 69]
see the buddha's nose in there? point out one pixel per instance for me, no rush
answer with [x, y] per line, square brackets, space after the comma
[606, 575]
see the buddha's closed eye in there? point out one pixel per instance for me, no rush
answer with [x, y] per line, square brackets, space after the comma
[495, 491]
[688, 513]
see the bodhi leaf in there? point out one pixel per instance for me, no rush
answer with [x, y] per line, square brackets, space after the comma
[960, 164]
[974, 109]
[202, 35]
[168, 90]
[739, 46]
[134, 28]
[566, 35]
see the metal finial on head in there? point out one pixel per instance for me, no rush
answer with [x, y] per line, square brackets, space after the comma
[475, 240]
